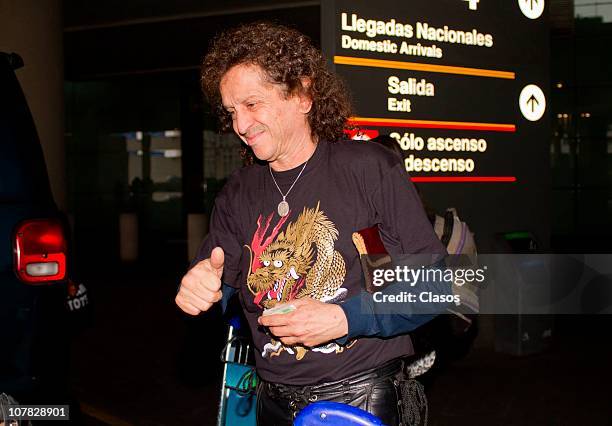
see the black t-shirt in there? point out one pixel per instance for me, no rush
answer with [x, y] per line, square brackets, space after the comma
[345, 187]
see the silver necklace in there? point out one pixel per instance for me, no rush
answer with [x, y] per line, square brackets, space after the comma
[283, 206]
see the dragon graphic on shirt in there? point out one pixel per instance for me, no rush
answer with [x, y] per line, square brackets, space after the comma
[300, 262]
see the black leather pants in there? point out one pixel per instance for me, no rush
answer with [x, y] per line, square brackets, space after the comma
[378, 391]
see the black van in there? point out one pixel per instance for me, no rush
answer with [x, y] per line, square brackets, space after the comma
[34, 327]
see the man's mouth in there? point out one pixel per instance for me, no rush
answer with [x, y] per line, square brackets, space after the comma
[251, 140]
[252, 135]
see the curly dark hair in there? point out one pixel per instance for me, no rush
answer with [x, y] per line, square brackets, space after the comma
[286, 56]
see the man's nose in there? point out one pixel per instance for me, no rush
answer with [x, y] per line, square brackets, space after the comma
[242, 122]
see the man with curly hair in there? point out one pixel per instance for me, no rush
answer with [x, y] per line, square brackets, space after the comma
[281, 231]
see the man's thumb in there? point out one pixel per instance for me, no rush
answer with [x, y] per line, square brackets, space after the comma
[217, 258]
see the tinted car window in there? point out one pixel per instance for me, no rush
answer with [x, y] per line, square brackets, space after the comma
[23, 174]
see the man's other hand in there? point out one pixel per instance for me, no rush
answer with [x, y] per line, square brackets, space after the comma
[201, 286]
[311, 324]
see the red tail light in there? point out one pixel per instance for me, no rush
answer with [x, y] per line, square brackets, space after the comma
[40, 251]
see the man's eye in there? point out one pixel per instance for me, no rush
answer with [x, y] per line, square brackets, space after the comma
[251, 105]
[266, 263]
[278, 263]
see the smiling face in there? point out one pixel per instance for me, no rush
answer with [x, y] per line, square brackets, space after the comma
[272, 123]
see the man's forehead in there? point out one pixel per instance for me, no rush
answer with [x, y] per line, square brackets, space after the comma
[249, 78]
[245, 73]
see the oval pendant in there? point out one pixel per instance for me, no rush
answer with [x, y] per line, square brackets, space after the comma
[283, 208]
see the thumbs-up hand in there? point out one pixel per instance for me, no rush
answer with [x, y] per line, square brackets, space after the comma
[201, 286]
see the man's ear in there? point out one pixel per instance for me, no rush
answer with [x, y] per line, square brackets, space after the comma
[304, 97]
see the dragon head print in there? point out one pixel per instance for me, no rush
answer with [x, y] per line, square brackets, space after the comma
[282, 273]
[287, 268]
